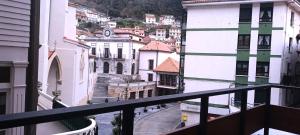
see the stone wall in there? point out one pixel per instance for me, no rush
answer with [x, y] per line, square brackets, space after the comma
[119, 89]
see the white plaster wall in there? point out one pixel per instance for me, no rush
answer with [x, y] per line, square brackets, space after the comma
[70, 23]
[211, 67]
[57, 22]
[68, 63]
[144, 58]
[275, 69]
[252, 69]
[203, 85]
[277, 42]
[43, 37]
[211, 41]
[204, 16]
[279, 14]
[81, 86]
[253, 42]
[255, 15]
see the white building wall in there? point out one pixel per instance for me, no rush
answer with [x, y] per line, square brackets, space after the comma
[221, 20]
[157, 57]
[43, 51]
[64, 26]
[70, 23]
[211, 41]
[127, 50]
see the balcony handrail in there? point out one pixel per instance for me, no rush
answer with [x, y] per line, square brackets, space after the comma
[89, 129]
[26, 118]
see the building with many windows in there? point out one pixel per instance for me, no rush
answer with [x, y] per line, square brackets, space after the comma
[118, 51]
[244, 43]
[152, 55]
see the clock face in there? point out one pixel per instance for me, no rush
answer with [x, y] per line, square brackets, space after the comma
[107, 33]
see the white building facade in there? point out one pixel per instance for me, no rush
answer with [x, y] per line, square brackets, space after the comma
[151, 56]
[118, 52]
[150, 18]
[63, 62]
[245, 43]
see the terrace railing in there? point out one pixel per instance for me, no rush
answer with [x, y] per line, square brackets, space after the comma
[247, 121]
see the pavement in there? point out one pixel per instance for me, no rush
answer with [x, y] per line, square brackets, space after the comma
[158, 123]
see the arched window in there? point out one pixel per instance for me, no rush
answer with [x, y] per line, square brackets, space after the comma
[119, 68]
[132, 69]
[106, 67]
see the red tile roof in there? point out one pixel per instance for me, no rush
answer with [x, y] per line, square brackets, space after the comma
[147, 39]
[156, 46]
[169, 65]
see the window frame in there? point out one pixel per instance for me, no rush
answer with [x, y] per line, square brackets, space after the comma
[150, 77]
[141, 94]
[263, 46]
[133, 53]
[242, 71]
[150, 64]
[244, 8]
[264, 8]
[260, 66]
[244, 45]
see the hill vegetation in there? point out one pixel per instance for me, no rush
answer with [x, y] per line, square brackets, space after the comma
[134, 8]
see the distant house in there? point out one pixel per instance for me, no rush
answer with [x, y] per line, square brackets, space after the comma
[152, 55]
[175, 32]
[167, 20]
[111, 24]
[81, 16]
[118, 50]
[167, 74]
[161, 33]
[150, 18]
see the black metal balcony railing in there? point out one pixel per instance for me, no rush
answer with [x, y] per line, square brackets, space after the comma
[119, 57]
[75, 123]
[246, 121]
[105, 56]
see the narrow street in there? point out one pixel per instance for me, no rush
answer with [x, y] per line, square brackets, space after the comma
[159, 120]
[158, 123]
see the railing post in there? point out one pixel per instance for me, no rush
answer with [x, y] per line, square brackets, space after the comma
[128, 121]
[203, 116]
[267, 110]
[244, 97]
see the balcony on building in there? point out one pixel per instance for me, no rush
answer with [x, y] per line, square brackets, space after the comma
[105, 56]
[119, 57]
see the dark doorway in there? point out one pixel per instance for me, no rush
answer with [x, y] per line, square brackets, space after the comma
[106, 67]
[119, 68]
